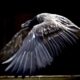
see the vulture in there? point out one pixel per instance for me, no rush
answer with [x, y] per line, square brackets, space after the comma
[35, 46]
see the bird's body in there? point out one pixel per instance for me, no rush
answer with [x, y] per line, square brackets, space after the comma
[48, 34]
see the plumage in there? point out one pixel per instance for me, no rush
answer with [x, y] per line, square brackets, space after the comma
[13, 45]
[45, 37]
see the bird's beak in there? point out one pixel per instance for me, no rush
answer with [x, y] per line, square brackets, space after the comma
[25, 24]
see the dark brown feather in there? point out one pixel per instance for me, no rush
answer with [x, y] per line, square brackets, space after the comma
[12, 46]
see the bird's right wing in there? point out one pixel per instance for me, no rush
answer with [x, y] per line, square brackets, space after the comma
[31, 56]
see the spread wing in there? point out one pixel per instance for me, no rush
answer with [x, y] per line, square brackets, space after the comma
[57, 36]
[13, 45]
[32, 55]
[45, 41]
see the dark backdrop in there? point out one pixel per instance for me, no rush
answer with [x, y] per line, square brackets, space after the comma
[13, 13]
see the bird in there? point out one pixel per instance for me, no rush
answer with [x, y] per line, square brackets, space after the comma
[35, 46]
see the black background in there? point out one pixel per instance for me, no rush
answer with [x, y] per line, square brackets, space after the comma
[13, 13]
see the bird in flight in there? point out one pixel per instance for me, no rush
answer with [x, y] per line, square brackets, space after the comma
[38, 42]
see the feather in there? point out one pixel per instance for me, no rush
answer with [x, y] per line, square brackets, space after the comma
[13, 45]
[32, 50]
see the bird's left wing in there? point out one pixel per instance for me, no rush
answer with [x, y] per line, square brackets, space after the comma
[13, 45]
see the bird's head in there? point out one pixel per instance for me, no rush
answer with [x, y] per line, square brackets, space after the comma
[35, 20]
[30, 23]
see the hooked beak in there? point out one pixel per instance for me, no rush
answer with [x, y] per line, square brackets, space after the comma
[25, 24]
[30, 23]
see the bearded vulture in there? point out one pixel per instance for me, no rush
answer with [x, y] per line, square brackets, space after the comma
[38, 42]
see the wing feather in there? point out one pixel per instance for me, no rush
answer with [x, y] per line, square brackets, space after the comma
[10, 48]
[32, 51]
